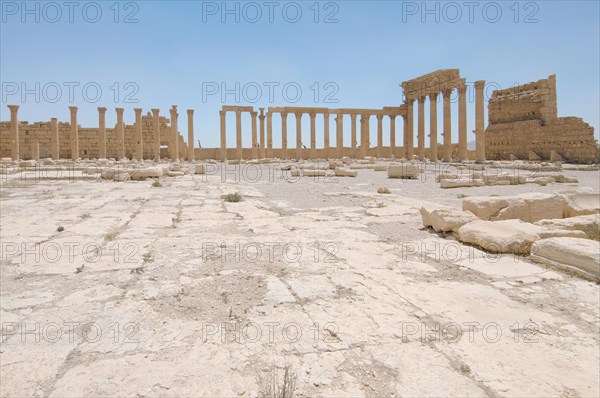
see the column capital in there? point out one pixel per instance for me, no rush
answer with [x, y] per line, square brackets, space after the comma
[479, 83]
[13, 108]
[422, 99]
[54, 120]
[379, 117]
[312, 115]
[174, 107]
[222, 112]
[73, 109]
[119, 110]
[101, 109]
[138, 111]
[392, 117]
[253, 113]
[446, 93]
[238, 112]
[433, 97]
[283, 114]
[155, 111]
[298, 114]
[190, 111]
[462, 89]
[365, 116]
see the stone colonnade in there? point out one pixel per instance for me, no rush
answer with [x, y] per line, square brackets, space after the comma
[174, 139]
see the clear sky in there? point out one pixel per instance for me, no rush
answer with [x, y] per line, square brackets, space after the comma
[160, 53]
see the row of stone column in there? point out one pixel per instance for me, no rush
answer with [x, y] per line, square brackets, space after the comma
[120, 130]
[447, 125]
[265, 148]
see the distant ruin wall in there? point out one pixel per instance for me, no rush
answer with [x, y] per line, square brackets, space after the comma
[524, 119]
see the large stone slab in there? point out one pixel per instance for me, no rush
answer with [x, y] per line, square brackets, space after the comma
[149, 172]
[579, 203]
[528, 207]
[574, 253]
[497, 237]
[589, 224]
[460, 183]
[445, 220]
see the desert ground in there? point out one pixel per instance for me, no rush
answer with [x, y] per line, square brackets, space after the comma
[143, 288]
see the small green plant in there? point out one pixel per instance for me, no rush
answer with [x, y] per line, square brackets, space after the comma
[278, 383]
[232, 197]
[60, 228]
[156, 184]
[79, 269]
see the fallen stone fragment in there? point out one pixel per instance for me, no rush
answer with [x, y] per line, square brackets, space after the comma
[460, 183]
[572, 253]
[579, 203]
[404, 171]
[589, 224]
[345, 173]
[497, 237]
[445, 220]
[528, 207]
[149, 172]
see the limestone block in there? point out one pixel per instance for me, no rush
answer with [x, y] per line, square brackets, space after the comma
[589, 224]
[446, 219]
[148, 172]
[573, 253]
[497, 237]
[27, 163]
[407, 170]
[460, 183]
[115, 175]
[578, 203]
[555, 157]
[171, 173]
[534, 156]
[345, 173]
[541, 231]
[529, 207]
[200, 169]
[445, 176]
[381, 167]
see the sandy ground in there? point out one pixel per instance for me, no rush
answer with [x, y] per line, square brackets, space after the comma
[170, 291]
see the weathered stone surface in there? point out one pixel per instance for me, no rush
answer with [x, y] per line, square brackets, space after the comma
[407, 170]
[345, 173]
[578, 203]
[171, 173]
[581, 254]
[529, 207]
[445, 220]
[148, 172]
[200, 169]
[589, 224]
[115, 175]
[460, 183]
[497, 237]
[541, 231]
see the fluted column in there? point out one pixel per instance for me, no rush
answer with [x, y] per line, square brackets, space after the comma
[379, 136]
[191, 155]
[479, 121]
[156, 133]
[284, 135]
[55, 140]
[392, 135]
[353, 137]
[326, 131]
[421, 129]
[364, 135]
[409, 133]
[223, 125]
[269, 135]
[433, 134]
[339, 134]
[120, 134]
[462, 123]
[14, 131]
[261, 122]
[313, 135]
[253, 116]
[174, 133]
[298, 135]
[101, 132]
[447, 126]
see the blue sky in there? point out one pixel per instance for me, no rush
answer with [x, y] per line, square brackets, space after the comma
[356, 52]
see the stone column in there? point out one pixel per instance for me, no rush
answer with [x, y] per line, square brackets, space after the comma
[364, 135]
[120, 134]
[238, 135]
[313, 135]
[326, 131]
[174, 134]
[191, 155]
[392, 135]
[269, 135]
[74, 136]
[433, 134]
[223, 115]
[462, 123]
[55, 140]
[298, 135]
[409, 134]
[14, 131]
[421, 129]
[139, 133]
[339, 134]
[284, 135]
[156, 133]
[479, 121]
[379, 135]
[253, 116]
[405, 134]
[101, 132]
[447, 126]
[353, 137]
[261, 121]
